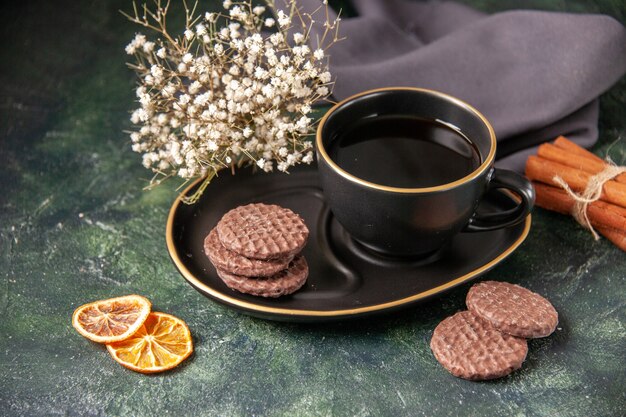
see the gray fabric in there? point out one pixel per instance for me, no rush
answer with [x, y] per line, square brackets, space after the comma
[535, 75]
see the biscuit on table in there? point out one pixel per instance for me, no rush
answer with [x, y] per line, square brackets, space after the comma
[236, 264]
[262, 231]
[284, 282]
[471, 348]
[513, 309]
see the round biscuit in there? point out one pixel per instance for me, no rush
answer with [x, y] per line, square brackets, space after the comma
[471, 348]
[513, 309]
[234, 263]
[262, 231]
[285, 282]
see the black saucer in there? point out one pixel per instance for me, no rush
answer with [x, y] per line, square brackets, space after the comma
[345, 279]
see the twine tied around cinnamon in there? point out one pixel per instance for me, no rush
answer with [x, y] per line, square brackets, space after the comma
[591, 193]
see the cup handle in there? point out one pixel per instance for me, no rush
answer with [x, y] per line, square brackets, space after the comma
[510, 180]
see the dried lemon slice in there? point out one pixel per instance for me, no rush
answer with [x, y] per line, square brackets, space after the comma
[160, 344]
[111, 320]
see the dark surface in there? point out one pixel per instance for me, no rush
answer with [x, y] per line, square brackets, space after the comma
[75, 226]
[345, 279]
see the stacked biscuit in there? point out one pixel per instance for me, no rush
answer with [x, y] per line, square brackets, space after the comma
[489, 339]
[256, 250]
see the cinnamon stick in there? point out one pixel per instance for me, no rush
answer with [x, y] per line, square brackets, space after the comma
[617, 237]
[566, 144]
[602, 215]
[543, 170]
[575, 165]
[568, 153]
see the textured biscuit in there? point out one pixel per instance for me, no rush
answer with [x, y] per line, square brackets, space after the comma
[285, 282]
[262, 231]
[471, 348]
[513, 309]
[234, 263]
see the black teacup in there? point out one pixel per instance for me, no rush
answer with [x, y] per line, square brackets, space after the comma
[404, 169]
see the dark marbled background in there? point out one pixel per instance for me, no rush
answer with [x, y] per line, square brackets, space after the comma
[75, 226]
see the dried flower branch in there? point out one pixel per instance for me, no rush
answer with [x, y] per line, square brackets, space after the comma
[223, 94]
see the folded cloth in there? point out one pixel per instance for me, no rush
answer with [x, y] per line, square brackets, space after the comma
[534, 74]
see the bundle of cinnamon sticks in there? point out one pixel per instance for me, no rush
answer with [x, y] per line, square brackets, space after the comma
[575, 166]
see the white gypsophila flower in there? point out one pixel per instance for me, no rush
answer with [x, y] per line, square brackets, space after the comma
[325, 77]
[202, 99]
[131, 48]
[194, 87]
[260, 73]
[156, 71]
[143, 114]
[139, 40]
[318, 54]
[201, 29]
[282, 166]
[145, 101]
[148, 47]
[229, 95]
[212, 146]
[292, 159]
[168, 90]
[322, 91]
[234, 32]
[283, 19]
[141, 91]
[162, 119]
[184, 99]
[303, 123]
[298, 37]
[237, 13]
[276, 39]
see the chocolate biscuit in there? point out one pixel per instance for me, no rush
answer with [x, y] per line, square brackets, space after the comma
[471, 348]
[513, 309]
[262, 231]
[232, 262]
[285, 282]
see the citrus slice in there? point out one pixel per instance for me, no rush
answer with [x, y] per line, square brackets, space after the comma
[111, 320]
[160, 344]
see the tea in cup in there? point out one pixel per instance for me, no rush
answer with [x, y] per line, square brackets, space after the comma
[404, 170]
